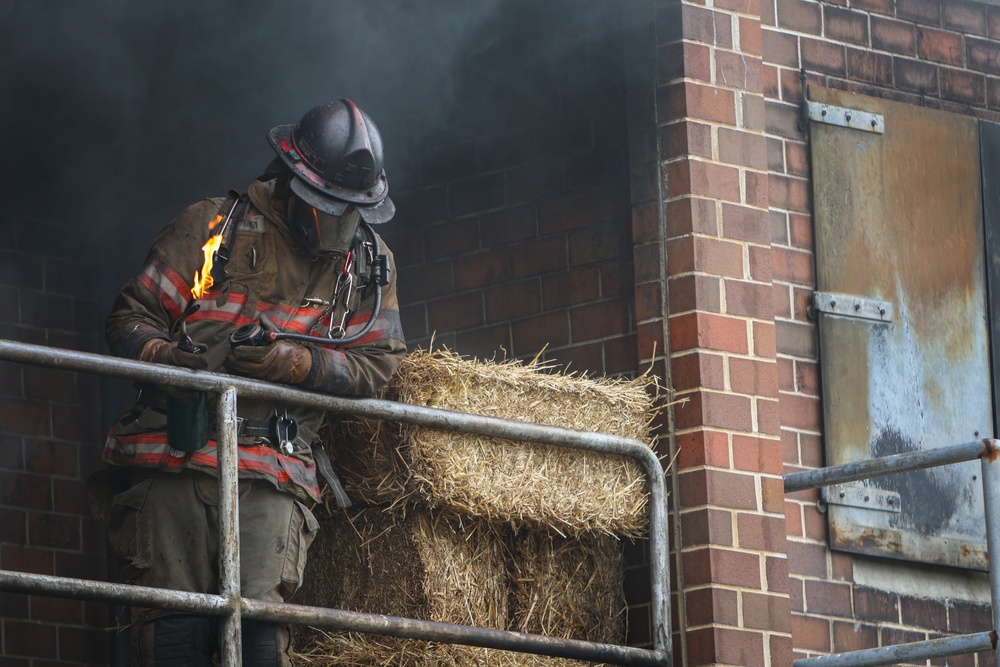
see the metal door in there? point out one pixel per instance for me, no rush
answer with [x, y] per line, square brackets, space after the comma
[902, 315]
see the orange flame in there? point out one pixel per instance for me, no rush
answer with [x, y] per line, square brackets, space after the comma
[203, 279]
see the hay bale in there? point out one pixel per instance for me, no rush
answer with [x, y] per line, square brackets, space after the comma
[418, 565]
[518, 483]
[567, 587]
[436, 567]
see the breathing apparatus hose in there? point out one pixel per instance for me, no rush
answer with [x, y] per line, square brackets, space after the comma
[266, 332]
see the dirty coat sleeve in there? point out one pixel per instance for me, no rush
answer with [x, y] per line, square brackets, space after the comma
[148, 304]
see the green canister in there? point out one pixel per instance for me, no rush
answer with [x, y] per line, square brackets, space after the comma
[187, 422]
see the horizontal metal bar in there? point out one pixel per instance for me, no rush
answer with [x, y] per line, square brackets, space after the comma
[862, 497]
[368, 407]
[451, 633]
[126, 594]
[915, 651]
[887, 465]
[402, 412]
[217, 605]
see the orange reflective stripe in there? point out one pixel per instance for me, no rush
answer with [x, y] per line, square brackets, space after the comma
[229, 312]
[295, 320]
[382, 329]
[152, 450]
[167, 285]
[173, 292]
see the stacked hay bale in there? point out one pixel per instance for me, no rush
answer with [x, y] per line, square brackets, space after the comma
[490, 532]
[416, 565]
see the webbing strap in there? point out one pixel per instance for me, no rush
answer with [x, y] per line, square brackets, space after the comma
[325, 469]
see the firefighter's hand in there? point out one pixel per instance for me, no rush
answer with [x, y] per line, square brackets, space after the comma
[162, 351]
[281, 361]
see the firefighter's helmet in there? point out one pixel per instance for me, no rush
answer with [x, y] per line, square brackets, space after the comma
[335, 154]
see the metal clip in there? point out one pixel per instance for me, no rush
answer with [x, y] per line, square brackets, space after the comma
[284, 431]
[345, 287]
[315, 302]
[369, 251]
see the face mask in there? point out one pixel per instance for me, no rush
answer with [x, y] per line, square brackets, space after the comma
[326, 234]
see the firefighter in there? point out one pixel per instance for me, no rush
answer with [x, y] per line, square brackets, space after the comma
[300, 272]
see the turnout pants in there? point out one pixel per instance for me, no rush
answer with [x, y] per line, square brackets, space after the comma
[164, 533]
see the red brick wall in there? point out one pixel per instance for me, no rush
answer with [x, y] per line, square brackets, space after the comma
[531, 221]
[733, 602]
[923, 52]
[635, 196]
[50, 437]
[518, 235]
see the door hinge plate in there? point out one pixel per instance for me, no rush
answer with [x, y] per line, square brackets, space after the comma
[861, 497]
[849, 305]
[843, 117]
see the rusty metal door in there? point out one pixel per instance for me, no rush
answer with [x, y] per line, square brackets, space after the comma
[901, 304]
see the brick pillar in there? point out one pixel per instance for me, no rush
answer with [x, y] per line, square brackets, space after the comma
[733, 606]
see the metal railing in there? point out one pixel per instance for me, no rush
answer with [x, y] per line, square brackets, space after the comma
[232, 607]
[988, 451]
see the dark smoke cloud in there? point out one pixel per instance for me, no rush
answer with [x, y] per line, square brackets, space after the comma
[116, 114]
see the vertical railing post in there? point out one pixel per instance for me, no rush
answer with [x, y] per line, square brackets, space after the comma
[991, 501]
[659, 560]
[230, 638]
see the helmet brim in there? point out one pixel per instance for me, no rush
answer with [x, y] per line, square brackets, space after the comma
[373, 215]
[379, 213]
[280, 138]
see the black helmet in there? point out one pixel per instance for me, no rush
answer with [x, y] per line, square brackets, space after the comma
[335, 152]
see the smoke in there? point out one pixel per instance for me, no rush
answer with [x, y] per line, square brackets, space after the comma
[117, 114]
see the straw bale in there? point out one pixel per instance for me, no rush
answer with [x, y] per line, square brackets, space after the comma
[427, 565]
[567, 587]
[507, 482]
[418, 565]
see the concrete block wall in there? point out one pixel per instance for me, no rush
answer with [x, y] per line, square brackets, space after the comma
[924, 52]
[50, 440]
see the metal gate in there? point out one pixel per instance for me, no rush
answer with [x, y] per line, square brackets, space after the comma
[232, 607]
[988, 452]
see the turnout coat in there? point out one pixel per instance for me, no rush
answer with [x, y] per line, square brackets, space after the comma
[264, 276]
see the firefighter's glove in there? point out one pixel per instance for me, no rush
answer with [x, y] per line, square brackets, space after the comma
[163, 351]
[281, 361]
